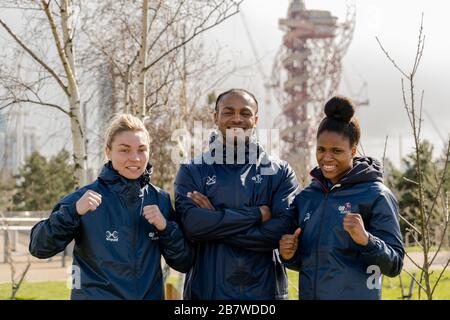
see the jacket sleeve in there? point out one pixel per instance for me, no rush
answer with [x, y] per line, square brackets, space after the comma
[51, 236]
[265, 237]
[294, 262]
[175, 248]
[385, 246]
[205, 224]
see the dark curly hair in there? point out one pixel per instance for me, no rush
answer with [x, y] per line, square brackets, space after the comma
[340, 118]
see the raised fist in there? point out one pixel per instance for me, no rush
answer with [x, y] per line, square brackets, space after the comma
[155, 217]
[88, 202]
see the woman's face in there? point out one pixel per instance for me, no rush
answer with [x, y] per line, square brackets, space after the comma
[334, 155]
[129, 153]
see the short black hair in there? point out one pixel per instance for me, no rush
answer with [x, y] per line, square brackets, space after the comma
[238, 91]
[340, 118]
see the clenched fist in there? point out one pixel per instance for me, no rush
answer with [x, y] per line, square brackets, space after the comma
[354, 225]
[289, 244]
[155, 217]
[88, 202]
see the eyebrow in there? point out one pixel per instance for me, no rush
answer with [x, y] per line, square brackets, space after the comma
[128, 146]
[228, 107]
[231, 108]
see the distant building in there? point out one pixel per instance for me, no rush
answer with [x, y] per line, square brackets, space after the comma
[17, 141]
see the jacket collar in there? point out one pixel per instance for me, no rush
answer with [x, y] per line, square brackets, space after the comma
[252, 152]
[365, 169]
[125, 187]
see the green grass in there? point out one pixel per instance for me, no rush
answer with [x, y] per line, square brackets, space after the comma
[391, 286]
[392, 290]
[49, 290]
[57, 290]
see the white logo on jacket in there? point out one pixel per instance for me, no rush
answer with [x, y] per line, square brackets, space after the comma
[153, 236]
[257, 178]
[112, 236]
[307, 216]
[210, 180]
[347, 208]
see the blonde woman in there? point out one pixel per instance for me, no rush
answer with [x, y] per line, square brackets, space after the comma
[121, 224]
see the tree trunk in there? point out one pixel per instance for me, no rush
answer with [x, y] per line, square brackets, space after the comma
[141, 110]
[76, 117]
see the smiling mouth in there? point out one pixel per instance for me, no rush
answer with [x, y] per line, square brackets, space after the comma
[133, 168]
[328, 168]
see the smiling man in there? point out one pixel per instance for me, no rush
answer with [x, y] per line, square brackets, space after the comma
[236, 211]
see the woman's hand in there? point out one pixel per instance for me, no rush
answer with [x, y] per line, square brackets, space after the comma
[354, 225]
[288, 244]
[155, 217]
[88, 202]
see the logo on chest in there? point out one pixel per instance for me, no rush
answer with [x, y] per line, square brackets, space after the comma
[210, 180]
[307, 216]
[257, 179]
[346, 208]
[112, 236]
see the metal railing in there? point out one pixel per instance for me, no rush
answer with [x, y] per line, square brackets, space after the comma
[16, 223]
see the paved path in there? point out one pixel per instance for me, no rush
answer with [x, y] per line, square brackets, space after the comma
[438, 263]
[40, 270]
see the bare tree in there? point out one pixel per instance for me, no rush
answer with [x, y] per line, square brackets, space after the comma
[144, 38]
[422, 228]
[16, 279]
[134, 45]
[62, 71]
[166, 80]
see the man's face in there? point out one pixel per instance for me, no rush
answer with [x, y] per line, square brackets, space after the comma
[236, 116]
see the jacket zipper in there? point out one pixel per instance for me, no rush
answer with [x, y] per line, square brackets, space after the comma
[318, 238]
[135, 234]
[317, 246]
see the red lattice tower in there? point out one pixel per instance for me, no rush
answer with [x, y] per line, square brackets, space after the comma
[306, 73]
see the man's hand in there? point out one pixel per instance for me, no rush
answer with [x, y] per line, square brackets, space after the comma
[200, 200]
[289, 244]
[155, 217]
[266, 214]
[88, 202]
[354, 225]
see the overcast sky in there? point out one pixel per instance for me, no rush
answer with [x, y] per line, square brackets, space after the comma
[396, 23]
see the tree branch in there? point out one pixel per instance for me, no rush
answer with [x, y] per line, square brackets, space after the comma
[390, 59]
[16, 101]
[34, 56]
[440, 276]
[195, 34]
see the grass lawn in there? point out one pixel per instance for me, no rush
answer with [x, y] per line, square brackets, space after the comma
[49, 290]
[391, 286]
[57, 290]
